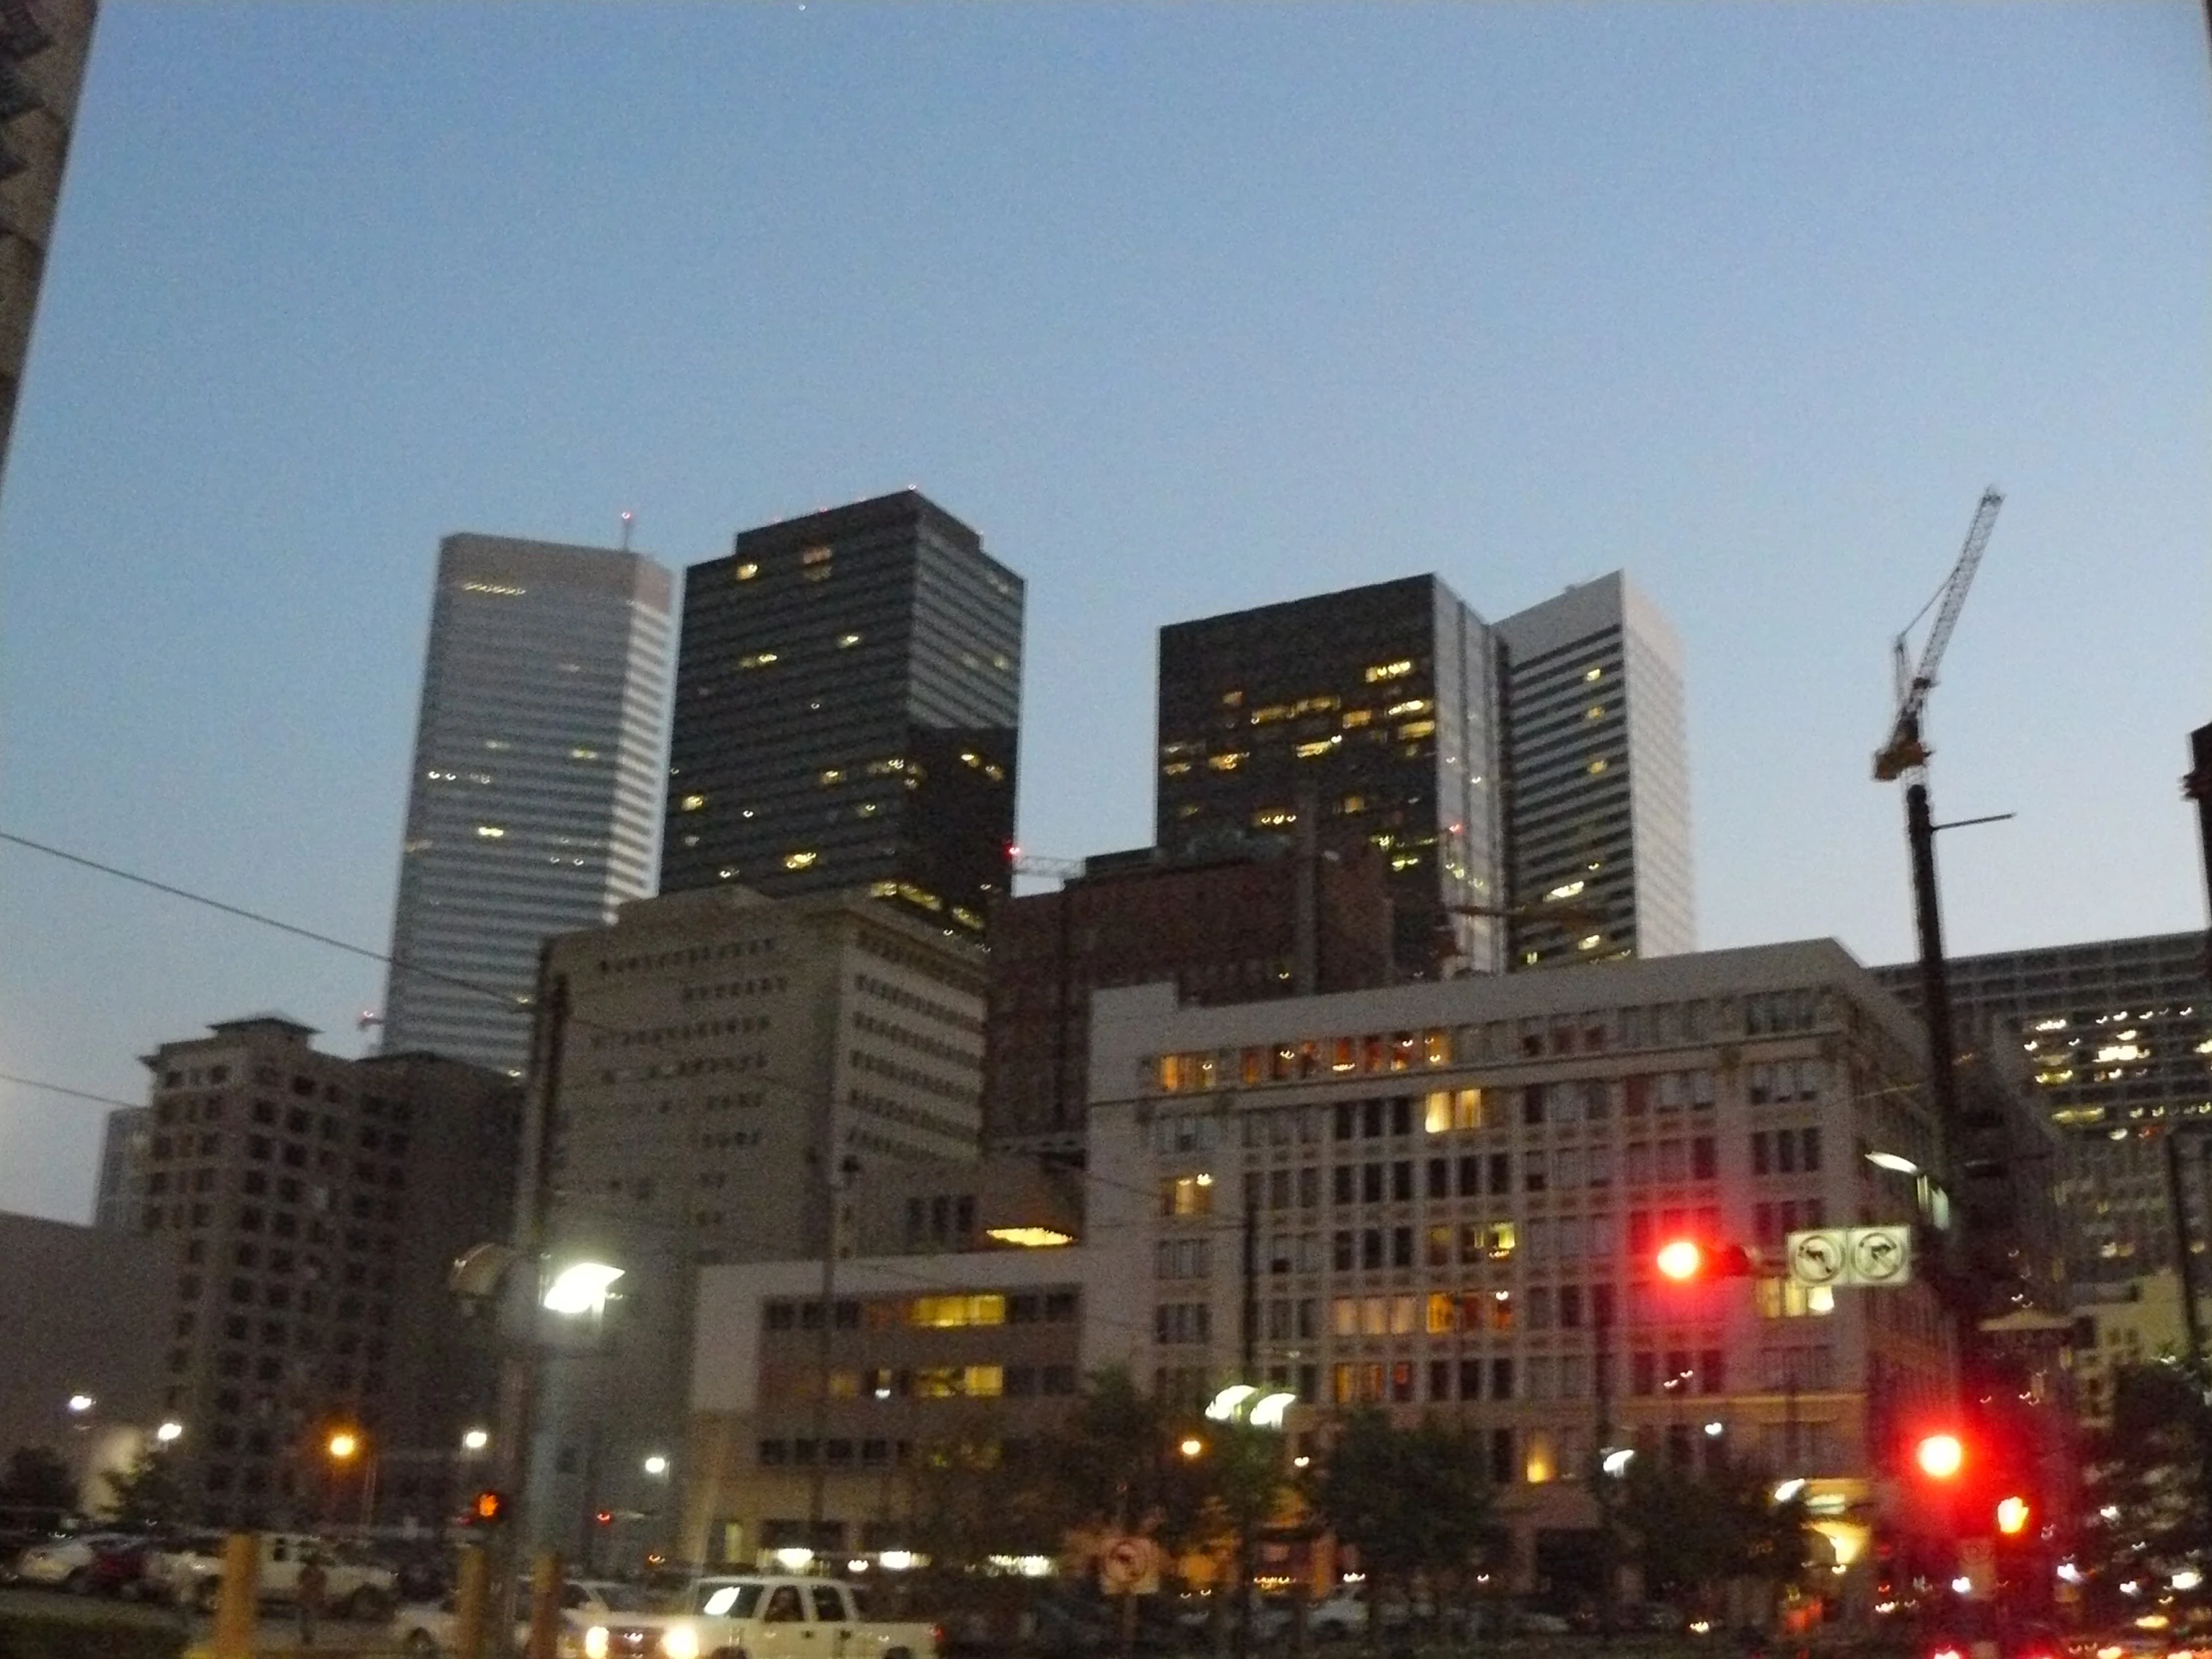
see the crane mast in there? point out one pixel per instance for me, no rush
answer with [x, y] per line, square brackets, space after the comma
[1905, 756]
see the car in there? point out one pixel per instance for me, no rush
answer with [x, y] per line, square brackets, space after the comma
[428, 1630]
[67, 1562]
[355, 1587]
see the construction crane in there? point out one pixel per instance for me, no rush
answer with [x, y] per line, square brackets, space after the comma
[1905, 756]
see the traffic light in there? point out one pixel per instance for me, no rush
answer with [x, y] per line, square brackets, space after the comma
[2012, 1515]
[490, 1507]
[1686, 1260]
[1941, 1457]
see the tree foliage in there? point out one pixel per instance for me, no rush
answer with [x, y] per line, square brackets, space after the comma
[1412, 1501]
[1694, 1532]
[147, 1494]
[2149, 1469]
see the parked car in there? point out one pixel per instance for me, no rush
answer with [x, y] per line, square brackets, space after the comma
[427, 1630]
[355, 1587]
[66, 1563]
[764, 1618]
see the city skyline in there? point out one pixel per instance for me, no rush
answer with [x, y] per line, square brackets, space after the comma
[1536, 313]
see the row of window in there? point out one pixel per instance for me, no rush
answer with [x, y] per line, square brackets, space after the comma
[932, 1312]
[692, 957]
[1778, 1013]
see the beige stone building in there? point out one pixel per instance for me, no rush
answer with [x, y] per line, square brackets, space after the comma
[728, 1071]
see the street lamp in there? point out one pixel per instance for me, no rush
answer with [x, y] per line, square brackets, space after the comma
[342, 1444]
[475, 1439]
[580, 1288]
[656, 1465]
[1894, 1162]
[79, 1405]
[170, 1433]
[1192, 1447]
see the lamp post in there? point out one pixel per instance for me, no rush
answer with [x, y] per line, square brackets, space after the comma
[816, 1484]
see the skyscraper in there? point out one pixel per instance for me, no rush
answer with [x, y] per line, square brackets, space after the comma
[847, 695]
[1598, 792]
[536, 777]
[1376, 710]
[42, 66]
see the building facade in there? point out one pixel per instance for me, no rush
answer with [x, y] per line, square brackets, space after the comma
[1596, 758]
[315, 1204]
[802, 1435]
[1456, 1189]
[43, 51]
[848, 697]
[536, 786]
[1237, 928]
[2118, 1034]
[121, 1157]
[729, 1067]
[1374, 713]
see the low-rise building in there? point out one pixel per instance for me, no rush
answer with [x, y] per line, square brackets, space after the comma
[1454, 1191]
[2135, 1322]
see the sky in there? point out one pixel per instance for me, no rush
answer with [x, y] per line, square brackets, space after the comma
[1185, 308]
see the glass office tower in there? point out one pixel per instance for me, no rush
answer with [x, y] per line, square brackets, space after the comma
[849, 694]
[537, 777]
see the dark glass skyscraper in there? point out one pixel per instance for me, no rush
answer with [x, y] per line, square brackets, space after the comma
[1378, 707]
[848, 697]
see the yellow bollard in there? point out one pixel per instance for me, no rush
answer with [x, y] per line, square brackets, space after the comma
[233, 1607]
[468, 1604]
[545, 1608]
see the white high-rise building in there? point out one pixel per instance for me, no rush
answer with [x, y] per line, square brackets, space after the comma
[537, 781]
[1598, 814]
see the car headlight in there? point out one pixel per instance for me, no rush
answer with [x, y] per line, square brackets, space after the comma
[680, 1641]
[595, 1642]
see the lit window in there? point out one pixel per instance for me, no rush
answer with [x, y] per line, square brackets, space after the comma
[816, 556]
[1309, 750]
[1355, 804]
[833, 774]
[1232, 699]
[1417, 728]
[1411, 706]
[1226, 762]
[583, 754]
[1176, 769]
[1358, 717]
[692, 802]
[1597, 765]
[758, 659]
[800, 860]
[746, 571]
[1388, 671]
[491, 831]
[846, 642]
[494, 588]
[1594, 674]
[945, 1311]
[1187, 1195]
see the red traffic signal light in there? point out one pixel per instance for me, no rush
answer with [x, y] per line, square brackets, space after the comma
[489, 1508]
[1685, 1261]
[1941, 1457]
[605, 1518]
[2014, 1515]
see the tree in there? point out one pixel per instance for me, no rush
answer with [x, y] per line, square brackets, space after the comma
[148, 1493]
[37, 1487]
[1694, 1532]
[1412, 1501]
[2147, 1492]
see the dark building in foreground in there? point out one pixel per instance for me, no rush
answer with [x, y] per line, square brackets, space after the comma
[43, 49]
[1245, 925]
[2117, 1035]
[848, 690]
[315, 1204]
[1375, 709]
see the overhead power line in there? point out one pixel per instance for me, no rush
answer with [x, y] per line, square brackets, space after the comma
[73, 1094]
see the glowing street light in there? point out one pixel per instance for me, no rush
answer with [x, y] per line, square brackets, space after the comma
[1894, 1162]
[656, 1465]
[1192, 1447]
[580, 1288]
[342, 1444]
[170, 1433]
[476, 1440]
[79, 1405]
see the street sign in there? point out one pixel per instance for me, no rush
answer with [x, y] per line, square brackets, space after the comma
[1866, 1257]
[1818, 1258]
[1129, 1567]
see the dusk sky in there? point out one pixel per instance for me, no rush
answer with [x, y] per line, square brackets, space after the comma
[1185, 308]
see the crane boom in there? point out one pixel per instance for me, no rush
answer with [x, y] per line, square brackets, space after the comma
[1904, 751]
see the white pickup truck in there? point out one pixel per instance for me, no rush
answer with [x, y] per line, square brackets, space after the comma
[191, 1574]
[745, 1617]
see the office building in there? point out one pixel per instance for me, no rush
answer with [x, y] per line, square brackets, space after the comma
[122, 1156]
[316, 1204]
[536, 787]
[1374, 710]
[729, 1067]
[1598, 802]
[2118, 1034]
[848, 691]
[43, 49]
[1527, 782]
[1459, 1189]
[1250, 923]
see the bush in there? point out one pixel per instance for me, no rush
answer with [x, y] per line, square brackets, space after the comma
[51, 1636]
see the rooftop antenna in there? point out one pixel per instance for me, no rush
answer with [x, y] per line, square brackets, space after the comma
[629, 519]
